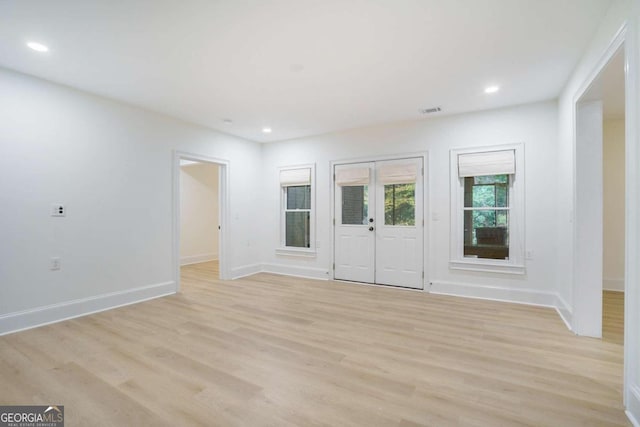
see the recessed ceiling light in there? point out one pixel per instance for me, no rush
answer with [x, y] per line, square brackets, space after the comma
[38, 47]
[491, 89]
[266, 130]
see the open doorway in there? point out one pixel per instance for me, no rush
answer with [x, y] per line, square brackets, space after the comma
[200, 216]
[600, 203]
[613, 156]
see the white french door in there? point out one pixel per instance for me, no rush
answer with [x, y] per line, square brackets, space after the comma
[379, 222]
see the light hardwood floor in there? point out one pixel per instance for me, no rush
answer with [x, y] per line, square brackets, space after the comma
[279, 351]
[613, 317]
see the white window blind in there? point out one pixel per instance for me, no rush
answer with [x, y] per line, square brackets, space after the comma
[487, 163]
[291, 177]
[400, 173]
[353, 176]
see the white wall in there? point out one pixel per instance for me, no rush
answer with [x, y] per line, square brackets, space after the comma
[613, 214]
[198, 213]
[111, 164]
[587, 316]
[534, 125]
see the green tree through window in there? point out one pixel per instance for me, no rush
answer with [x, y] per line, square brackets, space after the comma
[486, 216]
[400, 204]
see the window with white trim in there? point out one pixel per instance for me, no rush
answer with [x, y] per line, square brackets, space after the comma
[487, 209]
[297, 207]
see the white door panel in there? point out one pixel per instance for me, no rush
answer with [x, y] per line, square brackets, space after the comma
[399, 213]
[399, 262]
[354, 242]
[353, 258]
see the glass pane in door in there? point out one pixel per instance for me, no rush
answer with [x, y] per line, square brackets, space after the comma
[355, 205]
[400, 204]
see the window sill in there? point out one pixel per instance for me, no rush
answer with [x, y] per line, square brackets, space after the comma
[487, 266]
[296, 252]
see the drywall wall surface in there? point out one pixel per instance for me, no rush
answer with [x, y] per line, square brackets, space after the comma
[614, 210]
[111, 165]
[532, 125]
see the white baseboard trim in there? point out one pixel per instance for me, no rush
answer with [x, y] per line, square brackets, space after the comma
[296, 271]
[31, 318]
[245, 270]
[518, 296]
[564, 311]
[633, 406]
[609, 284]
[195, 259]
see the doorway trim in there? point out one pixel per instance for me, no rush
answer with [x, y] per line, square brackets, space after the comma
[626, 37]
[424, 155]
[223, 211]
[580, 319]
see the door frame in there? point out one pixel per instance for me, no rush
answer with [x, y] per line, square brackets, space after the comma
[426, 213]
[223, 211]
[581, 321]
[627, 38]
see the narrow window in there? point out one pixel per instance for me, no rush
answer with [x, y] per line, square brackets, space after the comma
[298, 216]
[487, 209]
[486, 216]
[297, 207]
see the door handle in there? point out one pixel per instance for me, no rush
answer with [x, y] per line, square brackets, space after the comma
[370, 228]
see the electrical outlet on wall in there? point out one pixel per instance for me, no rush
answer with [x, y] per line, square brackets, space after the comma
[528, 254]
[54, 264]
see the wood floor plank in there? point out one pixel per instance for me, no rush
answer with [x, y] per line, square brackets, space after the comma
[271, 350]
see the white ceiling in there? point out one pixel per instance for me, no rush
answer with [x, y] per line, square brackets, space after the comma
[302, 67]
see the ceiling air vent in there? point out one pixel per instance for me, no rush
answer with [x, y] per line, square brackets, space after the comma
[430, 110]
